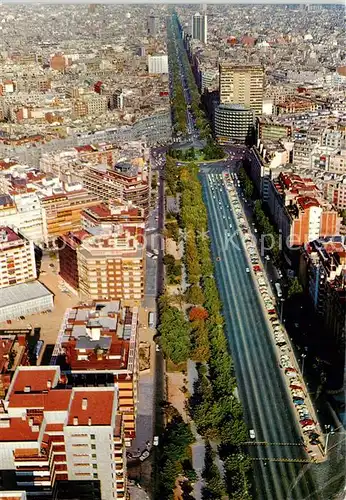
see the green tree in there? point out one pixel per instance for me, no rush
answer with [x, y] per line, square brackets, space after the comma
[213, 489]
[194, 295]
[295, 288]
[175, 334]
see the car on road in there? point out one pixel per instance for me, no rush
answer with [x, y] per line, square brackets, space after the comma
[247, 270]
[156, 441]
[144, 455]
[252, 434]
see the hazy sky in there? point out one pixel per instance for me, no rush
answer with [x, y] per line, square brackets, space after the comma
[153, 2]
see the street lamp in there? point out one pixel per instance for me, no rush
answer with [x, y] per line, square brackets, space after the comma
[303, 356]
[282, 309]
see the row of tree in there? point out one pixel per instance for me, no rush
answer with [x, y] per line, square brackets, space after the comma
[178, 102]
[197, 111]
[173, 454]
[213, 406]
[270, 235]
[246, 183]
[173, 269]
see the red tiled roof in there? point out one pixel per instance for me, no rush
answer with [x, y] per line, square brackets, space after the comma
[307, 202]
[35, 379]
[87, 148]
[19, 430]
[54, 427]
[99, 407]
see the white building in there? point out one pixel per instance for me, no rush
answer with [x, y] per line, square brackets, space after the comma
[157, 64]
[24, 299]
[17, 258]
[199, 27]
[23, 211]
[50, 433]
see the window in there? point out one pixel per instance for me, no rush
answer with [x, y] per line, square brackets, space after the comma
[94, 466]
[95, 475]
[93, 455]
[92, 436]
[93, 446]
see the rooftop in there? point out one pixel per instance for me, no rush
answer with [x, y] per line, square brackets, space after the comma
[23, 292]
[95, 405]
[98, 337]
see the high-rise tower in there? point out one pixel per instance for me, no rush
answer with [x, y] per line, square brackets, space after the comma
[242, 84]
[199, 27]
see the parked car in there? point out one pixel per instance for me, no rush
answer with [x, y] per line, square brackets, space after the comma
[144, 455]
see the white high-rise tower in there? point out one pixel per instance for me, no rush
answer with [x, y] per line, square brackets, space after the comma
[199, 27]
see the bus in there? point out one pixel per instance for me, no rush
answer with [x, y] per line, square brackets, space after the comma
[278, 290]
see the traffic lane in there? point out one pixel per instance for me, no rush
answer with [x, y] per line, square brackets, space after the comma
[216, 215]
[247, 287]
[279, 440]
[283, 383]
[246, 378]
[246, 381]
[260, 309]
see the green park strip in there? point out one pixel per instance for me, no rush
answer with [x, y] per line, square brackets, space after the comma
[197, 333]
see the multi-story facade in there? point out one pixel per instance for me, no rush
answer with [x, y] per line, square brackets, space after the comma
[17, 258]
[125, 182]
[268, 129]
[51, 433]
[102, 339]
[242, 84]
[334, 191]
[61, 212]
[112, 214]
[234, 123]
[23, 211]
[157, 64]
[152, 25]
[105, 261]
[200, 27]
[322, 272]
[300, 211]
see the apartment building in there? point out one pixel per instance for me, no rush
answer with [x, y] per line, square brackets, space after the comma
[17, 258]
[23, 211]
[112, 214]
[241, 84]
[300, 211]
[105, 261]
[334, 191]
[126, 182]
[100, 339]
[157, 64]
[61, 212]
[322, 271]
[269, 129]
[50, 432]
[13, 352]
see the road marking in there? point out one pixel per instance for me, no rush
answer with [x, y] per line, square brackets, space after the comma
[300, 460]
[265, 443]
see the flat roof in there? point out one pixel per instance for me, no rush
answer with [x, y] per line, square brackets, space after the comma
[23, 292]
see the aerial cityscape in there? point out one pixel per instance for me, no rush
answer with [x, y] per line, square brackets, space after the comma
[172, 251]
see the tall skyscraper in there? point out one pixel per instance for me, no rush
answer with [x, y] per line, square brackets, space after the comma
[152, 25]
[242, 84]
[199, 27]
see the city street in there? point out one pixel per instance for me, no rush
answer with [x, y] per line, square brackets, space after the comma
[261, 386]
